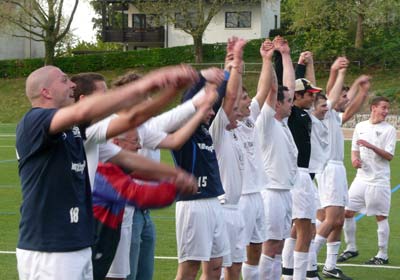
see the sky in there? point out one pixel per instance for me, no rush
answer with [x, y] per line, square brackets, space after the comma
[82, 25]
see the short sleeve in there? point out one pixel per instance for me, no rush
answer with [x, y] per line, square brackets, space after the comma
[255, 109]
[150, 137]
[107, 151]
[218, 126]
[391, 141]
[354, 145]
[97, 132]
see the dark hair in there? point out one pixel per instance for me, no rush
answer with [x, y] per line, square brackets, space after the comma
[345, 88]
[281, 95]
[318, 97]
[375, 101]
[85, 83]
[125, 79]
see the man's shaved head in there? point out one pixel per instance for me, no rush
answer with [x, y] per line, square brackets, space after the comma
[38, 80]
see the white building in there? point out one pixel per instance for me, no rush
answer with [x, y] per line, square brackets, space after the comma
[248, 21]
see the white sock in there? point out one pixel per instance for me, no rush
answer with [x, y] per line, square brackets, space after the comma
[383, 238]
[266, 267]
[349, 229]
[312, 257]
[277, 268]
[320, 241]
[250, 272]
[287, 253]
[222, 274]
[300, 260]
[332, 251]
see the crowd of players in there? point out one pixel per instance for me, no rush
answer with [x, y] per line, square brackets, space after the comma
[259, 182]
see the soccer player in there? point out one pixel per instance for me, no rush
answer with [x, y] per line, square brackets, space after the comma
[279, 154]
[200, 227]
[372, 149]
[55, 237]
[332, 183]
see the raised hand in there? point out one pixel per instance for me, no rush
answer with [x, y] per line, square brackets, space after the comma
[267, 49]
[306, 58]
[364, 82]
[178, 76]
[281, 45]
[340, 63]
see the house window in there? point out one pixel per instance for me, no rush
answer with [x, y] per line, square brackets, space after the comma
[152, 21]
[185, 21]
[276, 21]
[139, 21]
[238, 19]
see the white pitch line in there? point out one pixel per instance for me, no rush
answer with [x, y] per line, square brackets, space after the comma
[347, 264]
[7, 135]
[5, 146]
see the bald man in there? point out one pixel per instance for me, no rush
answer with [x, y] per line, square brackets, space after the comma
[56, 227]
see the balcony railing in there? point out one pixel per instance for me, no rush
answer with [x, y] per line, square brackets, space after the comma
[150, 37]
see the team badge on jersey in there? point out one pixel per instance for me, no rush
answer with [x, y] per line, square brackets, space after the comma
[249, 123]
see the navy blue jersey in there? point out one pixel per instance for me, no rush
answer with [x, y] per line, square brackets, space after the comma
[197, 156]
[56, 211]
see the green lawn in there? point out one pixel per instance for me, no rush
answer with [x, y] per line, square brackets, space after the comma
[164, 219]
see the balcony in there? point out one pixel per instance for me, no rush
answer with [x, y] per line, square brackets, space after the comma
[140, 38]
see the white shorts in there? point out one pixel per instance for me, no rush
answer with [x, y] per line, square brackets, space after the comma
[120, 267]
[34, 265]
[234, 222]
[332, 186]
[303, 196]
[200, 230]
[252, 207]
[316, 194]
[372, 200]
[278, 213]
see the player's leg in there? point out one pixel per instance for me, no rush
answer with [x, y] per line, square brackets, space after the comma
[188, 270]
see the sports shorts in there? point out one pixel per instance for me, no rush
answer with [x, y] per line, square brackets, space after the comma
[55, 265]
[332, 186]
[252, 207]
[303, 197]
[234, 222]
[372, 200]
[278, 213]
[200, 230]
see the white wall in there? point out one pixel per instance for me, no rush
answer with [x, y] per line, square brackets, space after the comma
[269, 8]
[19, 48]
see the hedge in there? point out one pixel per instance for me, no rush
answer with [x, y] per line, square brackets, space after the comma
[371, 56]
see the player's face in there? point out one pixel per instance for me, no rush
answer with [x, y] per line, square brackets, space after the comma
[285, 107]
[380, 111]
[305, 101]
[342, 103]
[320, 109]
[207, 117]
[61, 89]
[233, 118]
[130, 142]
[244, 104]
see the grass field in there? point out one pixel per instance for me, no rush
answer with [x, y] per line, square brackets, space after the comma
[165, 264]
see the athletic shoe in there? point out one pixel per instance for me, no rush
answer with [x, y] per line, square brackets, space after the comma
[313, 275]
[347, 255]
[377, 261]
[335, 273]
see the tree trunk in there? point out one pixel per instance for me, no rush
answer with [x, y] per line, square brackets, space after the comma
[198, 48]
[49, 47]
[359, 32]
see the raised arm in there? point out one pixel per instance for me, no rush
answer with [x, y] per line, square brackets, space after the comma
[234, 85]
[288, 72]
[336, 91]
[264, 83]
[337, 64]
[175, 140]
[363, 83]
[98, 106]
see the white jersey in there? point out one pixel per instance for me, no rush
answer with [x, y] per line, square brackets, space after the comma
[333, 120]
[253, 180]
[153, 131]
[230, 158]
[95, 135]
[374, 169]
[319, 146]
[279, 151]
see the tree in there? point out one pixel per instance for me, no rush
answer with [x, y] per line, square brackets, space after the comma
[192, 16]
[43, 20]
[353, 17]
